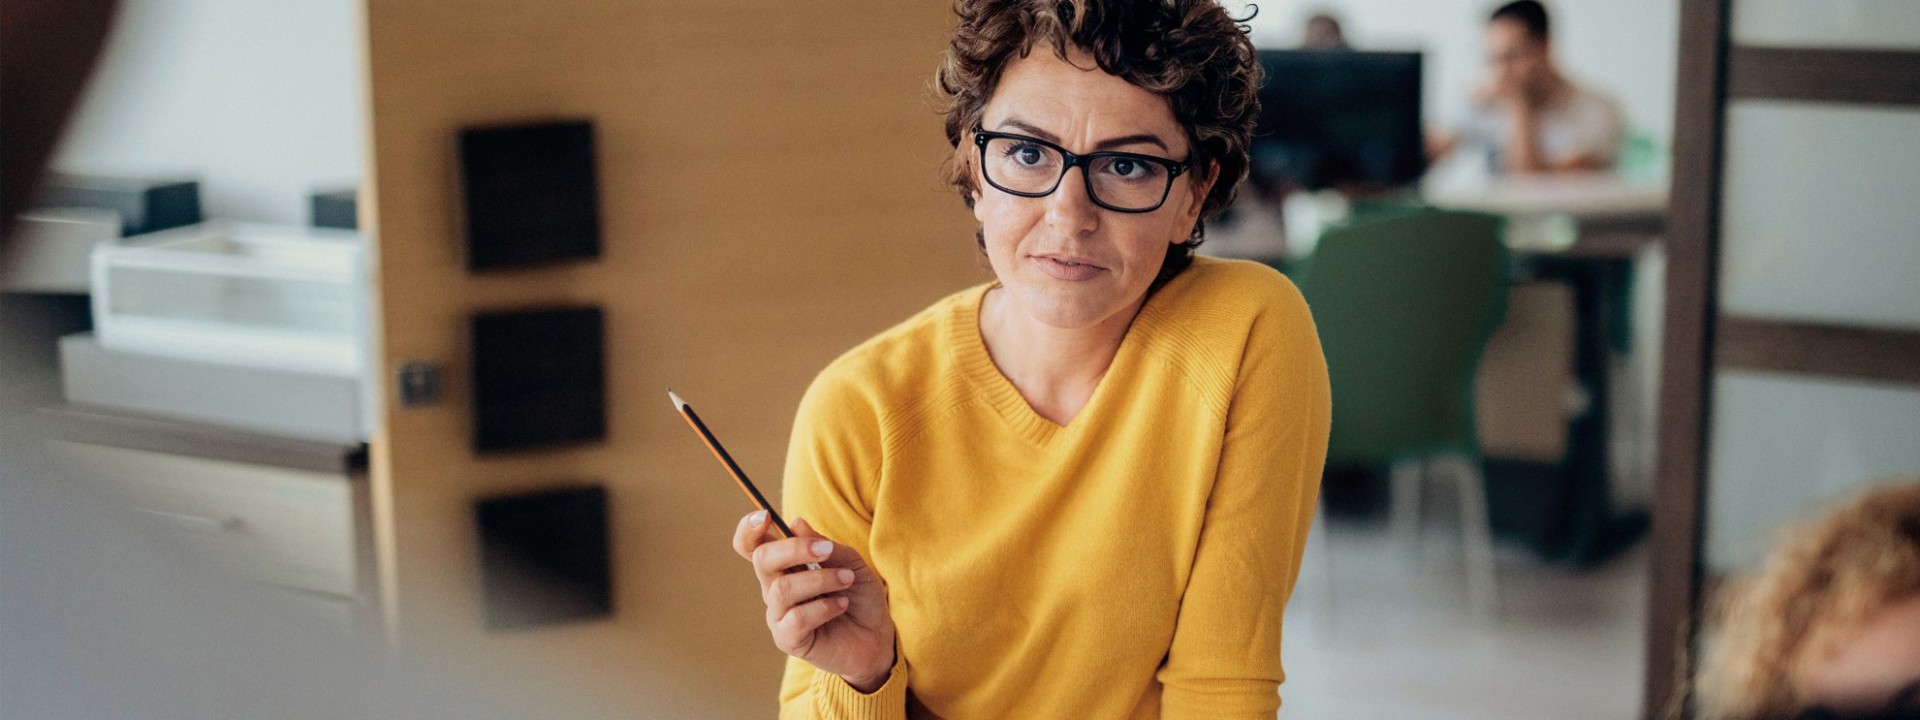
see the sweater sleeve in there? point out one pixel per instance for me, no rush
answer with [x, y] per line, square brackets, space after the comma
[1224, 661]
[832, 470]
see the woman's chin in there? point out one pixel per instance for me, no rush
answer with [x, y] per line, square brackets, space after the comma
[1066, 308]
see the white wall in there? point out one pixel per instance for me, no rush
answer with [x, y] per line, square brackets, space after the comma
[1831, 241]
[1785, 445]
[1627, 48]
[1870, 24]
[1816, 226]
[262, 101]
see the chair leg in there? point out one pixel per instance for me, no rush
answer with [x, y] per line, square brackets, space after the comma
[1406, 477]
[1482, 589]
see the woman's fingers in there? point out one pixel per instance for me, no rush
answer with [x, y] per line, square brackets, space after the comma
[793, 589]
[798, 600]
[847, 557]
[791, 630]
[748, 535]
[774, 558]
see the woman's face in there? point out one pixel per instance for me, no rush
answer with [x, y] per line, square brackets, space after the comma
[1064, 260]
[1865, 671]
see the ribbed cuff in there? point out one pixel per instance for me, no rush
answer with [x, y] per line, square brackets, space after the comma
[834, 699]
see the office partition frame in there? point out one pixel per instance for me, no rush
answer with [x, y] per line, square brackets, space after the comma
[1700, 340]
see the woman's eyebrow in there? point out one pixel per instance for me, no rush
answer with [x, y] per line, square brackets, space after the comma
[1134, 139]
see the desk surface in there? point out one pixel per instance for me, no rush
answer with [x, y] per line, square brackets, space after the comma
[1585, 196]
[1580, 215]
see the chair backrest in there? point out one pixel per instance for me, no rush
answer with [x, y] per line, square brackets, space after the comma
[1404, 305]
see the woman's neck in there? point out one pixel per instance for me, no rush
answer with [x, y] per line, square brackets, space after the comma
[1055, 369]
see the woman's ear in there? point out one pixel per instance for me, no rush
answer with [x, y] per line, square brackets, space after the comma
[1202, 185]
[973, 182]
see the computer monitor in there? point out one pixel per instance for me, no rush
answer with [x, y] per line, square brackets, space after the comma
[1338, 119]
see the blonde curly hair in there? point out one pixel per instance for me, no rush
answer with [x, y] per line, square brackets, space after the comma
[1824, 580]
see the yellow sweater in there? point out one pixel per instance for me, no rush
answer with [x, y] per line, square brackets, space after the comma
[1131, 564]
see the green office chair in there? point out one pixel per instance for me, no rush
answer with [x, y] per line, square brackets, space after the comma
[1404, 304]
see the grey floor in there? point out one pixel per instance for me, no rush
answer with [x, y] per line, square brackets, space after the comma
[1394, 639]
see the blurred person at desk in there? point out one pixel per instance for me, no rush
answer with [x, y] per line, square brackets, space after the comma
[1528, 117]
[1323, 32]
[1081, 490]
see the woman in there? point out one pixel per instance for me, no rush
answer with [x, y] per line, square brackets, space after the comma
[1080, 490]
[1830, 628]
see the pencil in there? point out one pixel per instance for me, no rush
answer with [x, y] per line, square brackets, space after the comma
[733, 468]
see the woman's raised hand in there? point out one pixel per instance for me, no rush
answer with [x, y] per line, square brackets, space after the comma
[835, 618]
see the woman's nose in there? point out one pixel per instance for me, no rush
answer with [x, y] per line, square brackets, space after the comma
[1070, 211]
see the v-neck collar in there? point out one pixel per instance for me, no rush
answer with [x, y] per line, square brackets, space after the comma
[970, 354]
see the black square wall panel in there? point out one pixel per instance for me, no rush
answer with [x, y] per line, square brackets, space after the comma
[532, 197]
[336, 209]
[539, 378]
[544, 557]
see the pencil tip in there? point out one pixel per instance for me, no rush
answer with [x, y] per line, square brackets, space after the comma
[678, 404]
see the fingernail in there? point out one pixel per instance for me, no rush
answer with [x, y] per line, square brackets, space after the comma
[822, 548]
[846, 577]
[757, 518]
[843, 600]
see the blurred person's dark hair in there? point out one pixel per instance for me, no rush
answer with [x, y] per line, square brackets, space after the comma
[1825, 581]
[1529, 13]
[1189, 51]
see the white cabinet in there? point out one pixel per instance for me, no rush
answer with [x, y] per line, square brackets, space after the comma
[289, 514]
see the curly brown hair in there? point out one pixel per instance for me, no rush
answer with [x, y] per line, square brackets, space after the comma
[1189, 51]
[1823, 581]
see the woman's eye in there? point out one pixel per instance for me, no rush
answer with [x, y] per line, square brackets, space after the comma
[1029, 155]
[1131, 169]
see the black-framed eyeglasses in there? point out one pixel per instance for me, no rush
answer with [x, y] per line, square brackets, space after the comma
[1118, 181]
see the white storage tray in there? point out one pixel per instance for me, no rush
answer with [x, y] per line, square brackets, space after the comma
[285, 297]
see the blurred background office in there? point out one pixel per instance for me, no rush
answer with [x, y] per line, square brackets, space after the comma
[334, 337]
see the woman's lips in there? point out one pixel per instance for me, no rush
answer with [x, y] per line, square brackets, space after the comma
[1067, 269]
